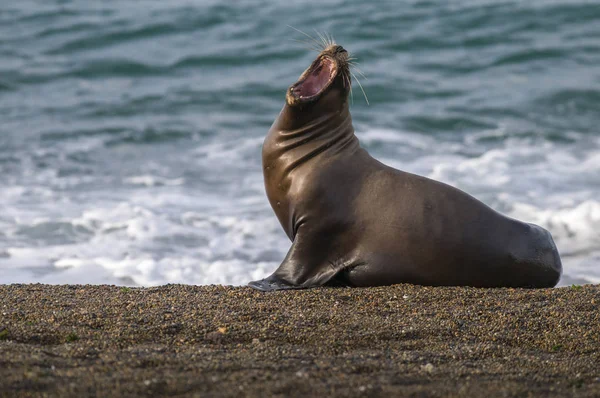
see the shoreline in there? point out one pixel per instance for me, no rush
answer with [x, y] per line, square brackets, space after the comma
[81, 340]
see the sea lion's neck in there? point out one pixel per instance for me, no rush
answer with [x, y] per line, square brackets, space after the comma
[299, 136]
[302, 142]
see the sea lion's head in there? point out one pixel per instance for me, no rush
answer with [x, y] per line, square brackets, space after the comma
[328, 75]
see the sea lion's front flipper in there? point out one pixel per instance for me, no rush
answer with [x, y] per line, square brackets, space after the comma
[306, 265]
[272, 283]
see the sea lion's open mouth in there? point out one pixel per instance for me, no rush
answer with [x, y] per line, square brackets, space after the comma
[318, 78]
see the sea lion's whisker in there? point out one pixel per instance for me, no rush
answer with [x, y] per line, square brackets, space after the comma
[360, 72]
[322, 38]
[331, 39]
[306, 42]
[353, 66]
[320, 45]
[310, 46]
[346, 81]
[350, 85]
[362, 75]
[361, 87]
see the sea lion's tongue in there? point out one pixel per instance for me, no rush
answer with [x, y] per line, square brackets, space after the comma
[317, 80]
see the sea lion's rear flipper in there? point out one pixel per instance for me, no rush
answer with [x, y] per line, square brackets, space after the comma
[306, 265]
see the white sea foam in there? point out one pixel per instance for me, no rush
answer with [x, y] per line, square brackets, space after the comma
[150, 180]
[135, 245]
[159, 230]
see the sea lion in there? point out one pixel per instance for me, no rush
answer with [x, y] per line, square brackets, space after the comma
[357, 222]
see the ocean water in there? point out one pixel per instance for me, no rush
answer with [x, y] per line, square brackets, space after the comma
[130, 132]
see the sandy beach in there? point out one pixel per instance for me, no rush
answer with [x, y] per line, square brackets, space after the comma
[401, 340]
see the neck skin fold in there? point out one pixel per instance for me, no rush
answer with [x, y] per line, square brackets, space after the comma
[301, 135]
[301, 141]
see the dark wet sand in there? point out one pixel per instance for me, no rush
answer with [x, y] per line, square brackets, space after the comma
[223, 341]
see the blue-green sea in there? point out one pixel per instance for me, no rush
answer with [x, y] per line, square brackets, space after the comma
[131, 131]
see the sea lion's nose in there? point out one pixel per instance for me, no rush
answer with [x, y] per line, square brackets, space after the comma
[340, 49]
